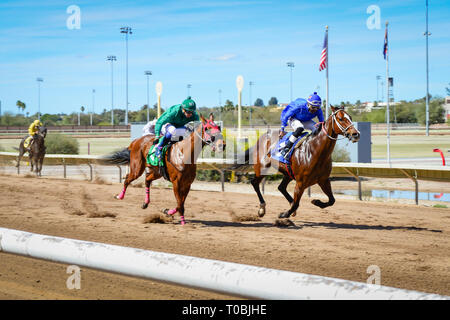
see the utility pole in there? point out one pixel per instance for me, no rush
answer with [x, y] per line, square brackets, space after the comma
[148, 73]
[188, 87]
[220, 104]
[93, 105]
[291, 65]
[39, 80]
[112, 58]
[427, 110]
[126, 30]
[250, 102]
[378, 79]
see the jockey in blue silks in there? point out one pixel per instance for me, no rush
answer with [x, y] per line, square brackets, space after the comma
[299, 114]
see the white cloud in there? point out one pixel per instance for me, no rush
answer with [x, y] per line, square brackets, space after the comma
[225, 57]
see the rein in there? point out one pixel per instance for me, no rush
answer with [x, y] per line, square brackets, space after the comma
[343, 130]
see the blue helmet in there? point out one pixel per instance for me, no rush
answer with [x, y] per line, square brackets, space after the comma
[314, 100]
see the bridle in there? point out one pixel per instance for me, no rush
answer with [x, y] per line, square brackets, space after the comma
[210, 138]
[341, 127]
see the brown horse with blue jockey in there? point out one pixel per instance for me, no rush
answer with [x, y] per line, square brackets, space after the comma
[309, 162]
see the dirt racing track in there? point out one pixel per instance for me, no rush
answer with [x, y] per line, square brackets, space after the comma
[410, 244]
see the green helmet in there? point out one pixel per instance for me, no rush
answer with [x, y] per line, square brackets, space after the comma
[189, 104]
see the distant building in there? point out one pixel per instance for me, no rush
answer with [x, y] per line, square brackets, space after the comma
[447, 107]
[369, 106]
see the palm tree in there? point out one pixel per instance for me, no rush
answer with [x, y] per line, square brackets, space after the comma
[20, 105]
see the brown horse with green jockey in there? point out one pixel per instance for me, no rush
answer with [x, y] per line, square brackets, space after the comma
[180, 159]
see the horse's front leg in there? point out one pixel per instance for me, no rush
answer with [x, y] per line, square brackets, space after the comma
[325, 185]
[21, 153]
[298, 192]
[283, 189]
[181, 189]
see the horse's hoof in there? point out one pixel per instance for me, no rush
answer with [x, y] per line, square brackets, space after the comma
[170, 212]
[284, 215]
[117, 197]
[261, 212]
[294, 214]
[144, 205]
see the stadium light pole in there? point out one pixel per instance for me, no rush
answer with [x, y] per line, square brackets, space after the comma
[127, 31]
[112, 58]
[39, 80]
[148, 73]
[291, 65]
[427, 110]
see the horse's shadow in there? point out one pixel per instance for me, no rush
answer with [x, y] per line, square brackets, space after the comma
[332, 225]
[209, 223]
[308, 224]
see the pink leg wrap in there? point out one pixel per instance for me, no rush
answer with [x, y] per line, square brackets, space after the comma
[122, 194]
[182, 221]
[172, 211]
[147, 195]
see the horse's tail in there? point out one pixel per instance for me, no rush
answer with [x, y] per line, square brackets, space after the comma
[118, 157]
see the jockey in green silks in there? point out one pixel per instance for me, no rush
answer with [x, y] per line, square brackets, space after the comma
[171, 123]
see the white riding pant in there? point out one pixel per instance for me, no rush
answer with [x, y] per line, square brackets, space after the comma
[149, 128]
[174, 132]
[295, 124]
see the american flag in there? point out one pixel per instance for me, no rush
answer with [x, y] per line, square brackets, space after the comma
[385, 47]
[323, 57]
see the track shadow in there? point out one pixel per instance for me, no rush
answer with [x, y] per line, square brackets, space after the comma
[209, 223]
[332, 225]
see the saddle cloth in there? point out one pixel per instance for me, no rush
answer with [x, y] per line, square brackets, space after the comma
[275, 153]
[152, 159]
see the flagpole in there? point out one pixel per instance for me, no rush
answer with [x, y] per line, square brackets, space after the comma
[327, 111]
[387, 100]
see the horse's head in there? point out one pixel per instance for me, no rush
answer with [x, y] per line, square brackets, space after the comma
[342, 124]
[212, 135]
[43, 131]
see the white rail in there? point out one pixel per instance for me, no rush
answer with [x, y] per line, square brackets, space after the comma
[213, 275]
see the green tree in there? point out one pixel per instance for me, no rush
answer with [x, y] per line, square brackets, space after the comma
[259, 102]
[448, 90]
[273, 101]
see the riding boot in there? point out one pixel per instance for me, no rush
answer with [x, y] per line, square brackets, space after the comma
[160, 146]
[286, 148]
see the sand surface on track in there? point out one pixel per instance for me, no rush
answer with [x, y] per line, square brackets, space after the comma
[410, 244]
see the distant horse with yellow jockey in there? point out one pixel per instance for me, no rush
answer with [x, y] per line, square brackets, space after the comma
[34, 145]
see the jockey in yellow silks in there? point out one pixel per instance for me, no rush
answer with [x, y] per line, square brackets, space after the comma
[32, 130]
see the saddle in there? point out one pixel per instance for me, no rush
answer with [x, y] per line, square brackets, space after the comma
[275, 153]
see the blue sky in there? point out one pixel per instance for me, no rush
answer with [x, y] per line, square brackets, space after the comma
[208, 44]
